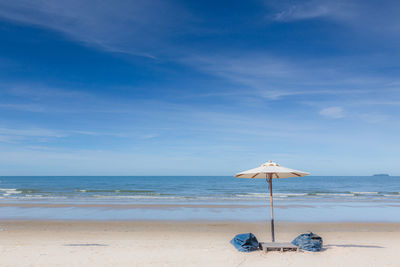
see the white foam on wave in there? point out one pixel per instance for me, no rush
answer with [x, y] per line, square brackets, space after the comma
[334, 194]
[9, 191]
[41, 197]
[137, 197]
[365, 193]
[264, 195]
[289, 194]
[252, 195]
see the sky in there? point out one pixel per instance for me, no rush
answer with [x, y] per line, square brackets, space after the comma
[157, 87]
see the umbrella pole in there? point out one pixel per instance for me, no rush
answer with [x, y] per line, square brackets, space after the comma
[272, 208]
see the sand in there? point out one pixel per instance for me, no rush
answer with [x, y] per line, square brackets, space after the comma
[192, 243]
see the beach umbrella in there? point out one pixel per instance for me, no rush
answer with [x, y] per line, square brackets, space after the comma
[271, 170]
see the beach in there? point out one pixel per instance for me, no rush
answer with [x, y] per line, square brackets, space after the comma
[190, 243]
[189, 221]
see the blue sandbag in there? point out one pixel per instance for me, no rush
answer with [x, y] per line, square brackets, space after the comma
[245, 242]
[308, 241]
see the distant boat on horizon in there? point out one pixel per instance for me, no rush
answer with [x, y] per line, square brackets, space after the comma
[381, 174]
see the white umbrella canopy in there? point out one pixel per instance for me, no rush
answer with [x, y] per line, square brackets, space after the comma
[270, 170]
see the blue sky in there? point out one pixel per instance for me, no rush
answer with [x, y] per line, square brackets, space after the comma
[198, 87]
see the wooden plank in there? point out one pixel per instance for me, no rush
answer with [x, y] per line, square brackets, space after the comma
[274, 246]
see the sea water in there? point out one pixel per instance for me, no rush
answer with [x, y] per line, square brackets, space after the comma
[312, 198]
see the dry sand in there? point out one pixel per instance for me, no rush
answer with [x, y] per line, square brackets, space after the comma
[149, 243]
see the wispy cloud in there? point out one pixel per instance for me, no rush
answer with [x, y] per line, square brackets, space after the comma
[271, 77]
[365, 17]
[379, 102]
[22, 107]
[150, 136]
[252, 73]
[132, 27]
[374, 117]
[37, 132]
[287, 11]
[37, 91]
[98, 133]
[333, 112]
[7, 139]
[12, 135]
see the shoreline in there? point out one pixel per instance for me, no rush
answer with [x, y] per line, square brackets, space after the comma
[174, 205]
[278, 223]
[319, 212]
[132, 206]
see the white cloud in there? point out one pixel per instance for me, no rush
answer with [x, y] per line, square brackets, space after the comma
[332, 112]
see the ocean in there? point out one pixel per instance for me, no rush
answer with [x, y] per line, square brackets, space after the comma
[312, 198]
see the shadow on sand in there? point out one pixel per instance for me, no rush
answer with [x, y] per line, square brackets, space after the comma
[352, 246]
